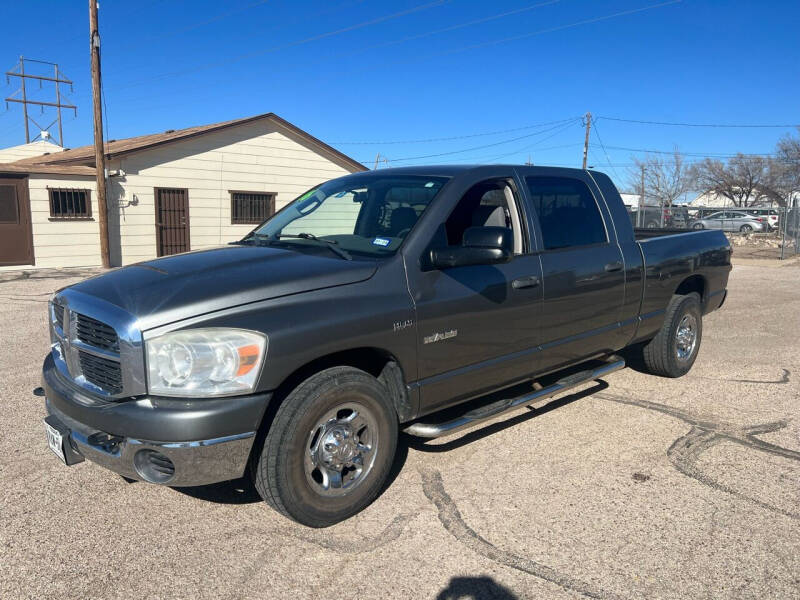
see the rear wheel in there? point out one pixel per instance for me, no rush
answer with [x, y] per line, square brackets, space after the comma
[746, 228]
[329, 449]
[674, 349]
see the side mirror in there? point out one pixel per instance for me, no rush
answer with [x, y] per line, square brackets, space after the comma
[480, 246]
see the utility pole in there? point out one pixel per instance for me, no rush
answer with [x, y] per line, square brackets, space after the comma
[377, 160]
[58, 78]
[641, 200]
[24, 99]
[588, 120]
[99, 150]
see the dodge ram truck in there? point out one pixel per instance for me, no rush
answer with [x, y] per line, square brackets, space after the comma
[422, 300]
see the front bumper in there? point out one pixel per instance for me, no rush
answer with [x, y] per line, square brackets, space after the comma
[206, 440]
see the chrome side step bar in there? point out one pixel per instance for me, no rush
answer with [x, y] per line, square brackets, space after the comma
[473, 417]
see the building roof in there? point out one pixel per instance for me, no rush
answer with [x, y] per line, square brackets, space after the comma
[16, 167]
[36, 148]
[85, 154]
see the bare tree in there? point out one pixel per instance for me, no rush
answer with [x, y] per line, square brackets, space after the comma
[787, 167]
[665, 179]
[745, 180]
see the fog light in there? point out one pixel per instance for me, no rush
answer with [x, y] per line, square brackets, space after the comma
[153, 466]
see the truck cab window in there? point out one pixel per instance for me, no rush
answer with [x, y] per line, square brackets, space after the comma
[487, 204]
[567, 211]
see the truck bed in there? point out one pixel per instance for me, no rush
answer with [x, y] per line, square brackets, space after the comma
[641, 233]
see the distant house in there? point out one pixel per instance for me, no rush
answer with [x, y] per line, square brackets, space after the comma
[714, 200]
[37, 148]
[168, 192]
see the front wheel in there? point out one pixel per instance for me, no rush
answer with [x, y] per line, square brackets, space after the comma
[674, 349]
[697, 226]
[330, 448]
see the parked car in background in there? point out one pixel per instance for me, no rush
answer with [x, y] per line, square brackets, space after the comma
[770, 216]
[732, 221]
[655, 217]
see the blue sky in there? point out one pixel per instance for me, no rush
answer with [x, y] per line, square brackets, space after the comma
[347, 71]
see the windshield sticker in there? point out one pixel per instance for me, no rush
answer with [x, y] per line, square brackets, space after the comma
[381, 242]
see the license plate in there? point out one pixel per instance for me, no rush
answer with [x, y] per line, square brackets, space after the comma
[56, 441]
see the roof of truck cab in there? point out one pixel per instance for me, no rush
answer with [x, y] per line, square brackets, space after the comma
[452, 170]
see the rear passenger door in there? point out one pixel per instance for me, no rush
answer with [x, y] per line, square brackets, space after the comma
[583, 270]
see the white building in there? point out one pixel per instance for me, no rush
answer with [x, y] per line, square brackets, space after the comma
[168, 192]
[714, 200]
[37, 148]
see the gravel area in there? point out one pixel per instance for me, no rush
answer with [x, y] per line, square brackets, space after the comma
[632, 487]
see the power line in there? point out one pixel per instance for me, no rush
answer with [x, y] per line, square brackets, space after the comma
[719, 125]
[494, 157]
[551, 29]
[599, 139]
[544, 139]
[474, 147]
[459, 137]
[314, 38]
[697, 154]
[451, 27]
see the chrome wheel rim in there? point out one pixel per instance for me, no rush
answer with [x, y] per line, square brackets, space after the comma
[340, 450]
[686, 337]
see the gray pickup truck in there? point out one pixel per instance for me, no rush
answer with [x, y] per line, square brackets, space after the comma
[417, 299]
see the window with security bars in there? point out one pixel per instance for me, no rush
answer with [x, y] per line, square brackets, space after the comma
[69, 203]
[251, 208]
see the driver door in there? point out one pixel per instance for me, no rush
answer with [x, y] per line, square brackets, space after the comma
[477, 325]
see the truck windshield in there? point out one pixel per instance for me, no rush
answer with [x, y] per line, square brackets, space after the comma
[371, 216]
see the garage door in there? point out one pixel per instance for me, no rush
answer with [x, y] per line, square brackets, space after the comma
[16, 241]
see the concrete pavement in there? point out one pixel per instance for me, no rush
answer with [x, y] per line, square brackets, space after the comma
[632, 487]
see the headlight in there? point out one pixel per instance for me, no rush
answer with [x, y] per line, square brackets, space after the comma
[205, 362]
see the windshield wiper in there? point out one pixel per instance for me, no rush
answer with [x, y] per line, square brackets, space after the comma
[254, 239]
[332, 244]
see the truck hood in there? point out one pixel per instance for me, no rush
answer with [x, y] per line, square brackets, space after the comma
[172, 288]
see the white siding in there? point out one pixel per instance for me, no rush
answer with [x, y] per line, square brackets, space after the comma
[38, 148]
[62, 243]
[255, 157]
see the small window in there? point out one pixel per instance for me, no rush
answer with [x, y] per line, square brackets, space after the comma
[69, 204]
[251, 208]
[567, 211]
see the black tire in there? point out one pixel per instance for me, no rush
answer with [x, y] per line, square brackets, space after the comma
[746, 228]
[278, 468]
[697, 226]
[664, 355]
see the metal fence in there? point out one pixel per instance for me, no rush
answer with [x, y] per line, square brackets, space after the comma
[777, 226]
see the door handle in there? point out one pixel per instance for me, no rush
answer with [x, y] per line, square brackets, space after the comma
[614, 266]
[525, 282]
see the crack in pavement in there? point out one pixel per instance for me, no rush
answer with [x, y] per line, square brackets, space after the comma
[453, 522]
[784, 379]
[705, 433]
[324, 540]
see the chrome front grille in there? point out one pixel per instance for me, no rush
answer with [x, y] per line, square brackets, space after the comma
[96, 333]
[58, 312]
[97, 345]
[102, 372]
